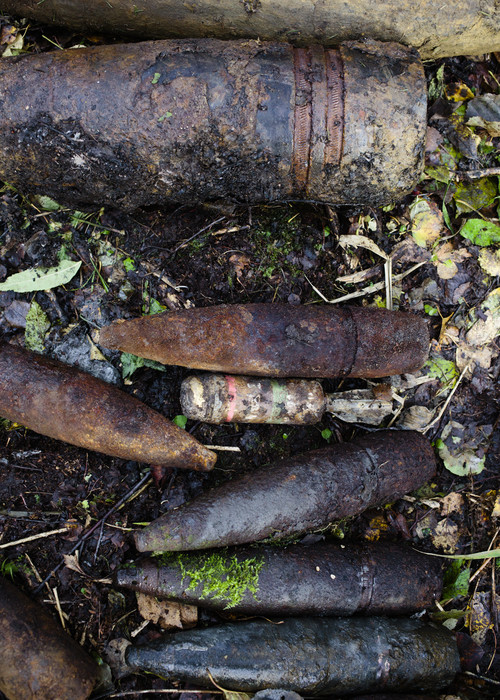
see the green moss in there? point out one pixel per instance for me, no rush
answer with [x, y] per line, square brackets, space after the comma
[221, 578]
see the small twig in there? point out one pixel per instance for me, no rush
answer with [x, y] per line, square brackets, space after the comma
[164, 691]
[388, 283]
[222, 448]
[367, 290]
[486, 561]
[198, 233]
[446, 403]
[58, 606]
[476, 174]
[124, 499]
[34, 537]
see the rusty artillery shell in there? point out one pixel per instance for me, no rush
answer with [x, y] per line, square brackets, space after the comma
[471, 26]
[223, 398]
[325, 579]
[38, 659]
[206, 120]
[278, 340]
[311, 655]
[64, 403]
[297, 494]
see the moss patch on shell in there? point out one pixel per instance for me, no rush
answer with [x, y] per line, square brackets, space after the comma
[220, 577]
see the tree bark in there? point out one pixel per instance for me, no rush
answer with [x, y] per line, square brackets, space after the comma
[434, 27]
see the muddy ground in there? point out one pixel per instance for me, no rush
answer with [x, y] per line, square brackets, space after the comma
[178, 257]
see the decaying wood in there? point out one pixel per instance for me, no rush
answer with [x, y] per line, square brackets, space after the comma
[435, 27]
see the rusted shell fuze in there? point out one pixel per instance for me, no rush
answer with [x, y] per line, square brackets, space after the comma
[38, 659]
[64, 403]
[313, 656]
[298, 494]
[470, 27]
[278, 340]
[141, 124]
[324, 579]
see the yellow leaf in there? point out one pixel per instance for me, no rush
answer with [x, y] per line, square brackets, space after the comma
[427, 222]
[458, 92]
[490, 261]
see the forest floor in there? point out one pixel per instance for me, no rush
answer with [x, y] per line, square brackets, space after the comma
[440, 247]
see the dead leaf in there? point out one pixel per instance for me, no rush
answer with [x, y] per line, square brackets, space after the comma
[8, 34]
[471, 355]
[486, 327]
[446, 536]
[452, 503]
[357, 240]
[495, 513]
[240, 262]
[478, 617]
[166, 613]
[458, 92]
[447, 258]
[427, 222]
[489, 261]
[71, 561]
[462, 454]
[376, 527]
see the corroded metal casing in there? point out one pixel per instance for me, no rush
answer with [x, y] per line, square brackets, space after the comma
[140, 124]
[298, 494]
[64, 403]
[38, 660]
[222, 398]
[278, 340]
[473, 27]
[310, 655]
[323, 579]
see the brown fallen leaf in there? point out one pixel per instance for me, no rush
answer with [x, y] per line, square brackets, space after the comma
[452, 503]
[166, 613]
[446, 535]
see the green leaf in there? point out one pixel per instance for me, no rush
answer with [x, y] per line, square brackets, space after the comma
[156, 78]
[470, 196]
[326, 434]
[481, 232]
[167, 115]
[155, 307]
[456, 580]
[446, 216]
[180, 421]
[129, 264]
[430, 310]
[37, 324]
[444, 370]
[47, 203]
[131, 362]
[41, 278]
[488, 554]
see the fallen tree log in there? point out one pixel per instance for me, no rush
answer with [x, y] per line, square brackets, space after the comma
[435, 28]
[204, 120]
